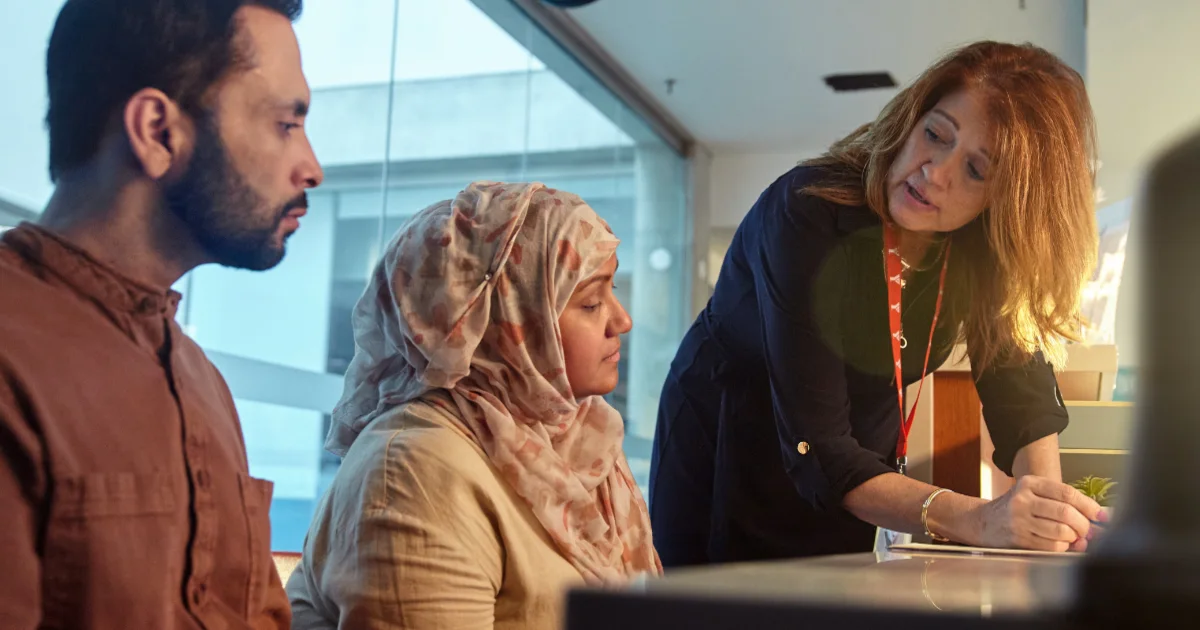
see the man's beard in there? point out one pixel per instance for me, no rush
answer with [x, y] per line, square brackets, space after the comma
[225, 215]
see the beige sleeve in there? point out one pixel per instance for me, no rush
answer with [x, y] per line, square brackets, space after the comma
[426, 555]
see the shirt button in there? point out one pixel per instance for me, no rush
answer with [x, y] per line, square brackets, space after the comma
[198, 593]
[802, 448]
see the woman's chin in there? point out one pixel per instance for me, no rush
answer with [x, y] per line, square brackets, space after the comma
[600, 388]
[915, 219]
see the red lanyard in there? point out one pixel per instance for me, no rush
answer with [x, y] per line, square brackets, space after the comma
[895, 271]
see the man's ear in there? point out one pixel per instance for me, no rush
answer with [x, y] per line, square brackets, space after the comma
[160, 135]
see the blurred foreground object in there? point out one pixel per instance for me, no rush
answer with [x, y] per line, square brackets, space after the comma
[1145, 572]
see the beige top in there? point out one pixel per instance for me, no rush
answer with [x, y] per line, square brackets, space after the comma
[419, 530]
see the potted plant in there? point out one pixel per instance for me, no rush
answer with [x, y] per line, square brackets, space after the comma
[1096, 488]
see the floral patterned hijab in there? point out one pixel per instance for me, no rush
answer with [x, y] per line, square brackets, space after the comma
[466, 302]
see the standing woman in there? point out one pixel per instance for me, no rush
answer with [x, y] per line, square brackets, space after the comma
[963, 213]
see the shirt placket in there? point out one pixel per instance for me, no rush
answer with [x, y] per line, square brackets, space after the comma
[202, 504]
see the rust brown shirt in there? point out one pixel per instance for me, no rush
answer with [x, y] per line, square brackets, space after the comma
[125, 498]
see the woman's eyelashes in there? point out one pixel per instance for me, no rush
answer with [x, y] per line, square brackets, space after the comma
[972, 171]
[594, 303]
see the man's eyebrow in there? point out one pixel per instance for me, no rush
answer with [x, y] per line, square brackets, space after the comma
[297, 107]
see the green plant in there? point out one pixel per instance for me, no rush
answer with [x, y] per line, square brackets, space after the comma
[1096, 488]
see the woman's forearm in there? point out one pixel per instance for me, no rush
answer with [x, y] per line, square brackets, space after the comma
[1040, 458]
[894, 502]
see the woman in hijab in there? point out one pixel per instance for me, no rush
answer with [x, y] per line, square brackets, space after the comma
[482, 472]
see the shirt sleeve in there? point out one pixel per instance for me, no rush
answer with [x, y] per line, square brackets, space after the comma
[800, 275]
[423, 557]
[1021, 405]
[20, 485]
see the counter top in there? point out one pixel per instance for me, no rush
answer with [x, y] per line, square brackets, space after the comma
[936, 583]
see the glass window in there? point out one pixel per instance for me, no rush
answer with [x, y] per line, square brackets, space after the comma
[24, 145]
[412, 100]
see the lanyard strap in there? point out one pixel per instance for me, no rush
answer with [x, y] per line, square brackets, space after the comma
[895, 284]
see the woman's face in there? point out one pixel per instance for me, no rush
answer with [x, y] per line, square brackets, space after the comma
[591, 327]
[937, 182]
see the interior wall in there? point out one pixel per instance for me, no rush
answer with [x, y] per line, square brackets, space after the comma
[1141, 79]
[738, 178]
[1145, 95]
[735, 180]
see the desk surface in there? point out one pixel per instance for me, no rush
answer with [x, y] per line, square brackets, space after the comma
[963, 584]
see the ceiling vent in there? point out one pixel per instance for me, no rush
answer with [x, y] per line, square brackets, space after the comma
[860, 81]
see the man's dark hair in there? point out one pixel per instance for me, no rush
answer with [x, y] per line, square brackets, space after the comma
[102, 52]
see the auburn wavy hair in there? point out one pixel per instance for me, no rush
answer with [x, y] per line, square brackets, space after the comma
[1017, 271]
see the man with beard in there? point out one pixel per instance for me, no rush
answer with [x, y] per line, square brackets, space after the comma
[176, 139]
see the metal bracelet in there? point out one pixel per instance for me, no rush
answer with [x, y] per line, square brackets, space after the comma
[925, 516]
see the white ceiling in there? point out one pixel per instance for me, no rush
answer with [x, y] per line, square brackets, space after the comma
[748, 73]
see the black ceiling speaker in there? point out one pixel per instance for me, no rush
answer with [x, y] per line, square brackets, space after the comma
[568, 4]
[860, 81]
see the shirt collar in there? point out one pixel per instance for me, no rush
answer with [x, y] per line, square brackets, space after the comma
[88, 276]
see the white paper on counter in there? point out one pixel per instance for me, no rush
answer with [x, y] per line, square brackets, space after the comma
[886, 539]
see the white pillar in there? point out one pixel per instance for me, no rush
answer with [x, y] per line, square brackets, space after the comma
[661, 291]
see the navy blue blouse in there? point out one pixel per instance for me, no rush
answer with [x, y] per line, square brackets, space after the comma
[794, 347]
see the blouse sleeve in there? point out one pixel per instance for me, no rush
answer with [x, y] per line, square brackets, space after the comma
[1021, 404]
[800, 274]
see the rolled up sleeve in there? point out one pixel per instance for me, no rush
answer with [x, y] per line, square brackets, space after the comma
[1021, 405]
[800, 275]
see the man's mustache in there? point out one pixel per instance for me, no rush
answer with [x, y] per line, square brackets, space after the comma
[299, 201]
